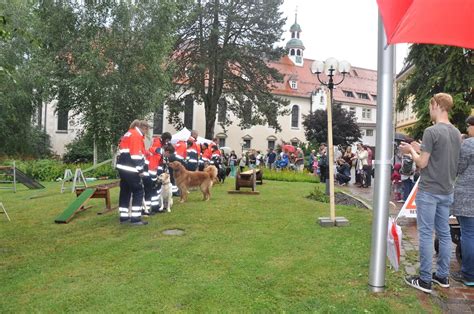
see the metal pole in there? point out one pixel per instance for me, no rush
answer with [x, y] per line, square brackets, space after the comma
[332, 203]
[385, 74]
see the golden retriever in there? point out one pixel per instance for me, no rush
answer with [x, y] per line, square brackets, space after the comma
[186, 179]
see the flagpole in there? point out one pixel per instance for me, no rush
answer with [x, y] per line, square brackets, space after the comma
[383, 156]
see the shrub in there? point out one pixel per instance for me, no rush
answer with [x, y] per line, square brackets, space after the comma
[318, 195]
[289, 176]
[51, 170]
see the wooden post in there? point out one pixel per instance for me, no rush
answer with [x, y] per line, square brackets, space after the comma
[332, 203]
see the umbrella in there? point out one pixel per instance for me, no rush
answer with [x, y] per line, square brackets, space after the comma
[289, 148]
[442, 22]
[403, 137]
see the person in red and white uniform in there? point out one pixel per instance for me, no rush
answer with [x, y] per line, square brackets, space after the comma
[130, 165]
[180, 149]
[156, 152]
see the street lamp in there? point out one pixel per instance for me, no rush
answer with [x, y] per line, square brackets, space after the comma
[330, 67]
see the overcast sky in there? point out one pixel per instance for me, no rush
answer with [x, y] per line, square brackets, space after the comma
[344, 29]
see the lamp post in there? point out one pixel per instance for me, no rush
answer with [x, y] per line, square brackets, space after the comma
[330, 67]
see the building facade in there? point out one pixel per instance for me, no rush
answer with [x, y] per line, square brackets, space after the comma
[357, 93]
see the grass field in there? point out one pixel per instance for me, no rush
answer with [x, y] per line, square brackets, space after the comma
[240, 253]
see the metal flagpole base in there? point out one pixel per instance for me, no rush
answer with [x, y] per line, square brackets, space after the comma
[376, 289]
[327, 222]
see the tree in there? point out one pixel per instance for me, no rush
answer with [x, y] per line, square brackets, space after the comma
[345, 129]
[21, 82]
[109, 61]
[438, 69]
[222, 55]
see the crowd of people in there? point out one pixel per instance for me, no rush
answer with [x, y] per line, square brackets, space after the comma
[441, 157]
[139, 168]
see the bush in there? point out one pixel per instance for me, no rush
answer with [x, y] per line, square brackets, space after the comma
[289, 176]
[318, 195]
[81, 150]
[51, 170]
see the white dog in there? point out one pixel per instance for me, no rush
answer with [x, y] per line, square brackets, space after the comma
[166, 196]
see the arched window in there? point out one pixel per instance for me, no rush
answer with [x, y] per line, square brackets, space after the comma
[295, 113]
[298, 52]
[188, 112]
[158, 121]
[222, 111]
[292, 52]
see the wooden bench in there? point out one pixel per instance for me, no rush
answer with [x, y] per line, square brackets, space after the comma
[248, 179]
[101, 191]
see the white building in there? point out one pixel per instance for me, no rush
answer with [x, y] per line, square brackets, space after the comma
[357, 93]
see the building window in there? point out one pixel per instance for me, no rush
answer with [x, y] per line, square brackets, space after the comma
[374, 97]
[293, 84]
[221, 116]
[158, 121]
[298, 52]
[353, 110]
[295, 143]
[362, 95]
[369, 132]
[295, 112]
[292, 52]
[247, 144]
[348, 93]
[62, 119]
[271, 144]
[355, 72]
[366, 113]
[188, 112]
[221, 141]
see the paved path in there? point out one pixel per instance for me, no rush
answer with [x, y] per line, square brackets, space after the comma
[456, 299]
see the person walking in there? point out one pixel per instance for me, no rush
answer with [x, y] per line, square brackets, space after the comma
[437, 157]
[463, 206]
[131, 165]
[232, 163]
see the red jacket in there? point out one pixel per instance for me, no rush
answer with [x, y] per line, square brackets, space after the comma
[155, 154]
[132, 151]
[180, 150]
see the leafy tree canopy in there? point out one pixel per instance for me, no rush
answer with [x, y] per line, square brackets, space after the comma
[222, 56]
[438, 69]
[344, 126]
[109, 59]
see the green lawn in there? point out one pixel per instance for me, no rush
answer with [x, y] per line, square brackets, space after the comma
[240, 253]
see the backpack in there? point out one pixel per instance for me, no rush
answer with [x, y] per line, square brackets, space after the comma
[407, 166]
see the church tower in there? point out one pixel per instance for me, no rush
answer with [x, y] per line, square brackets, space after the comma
[295, 46]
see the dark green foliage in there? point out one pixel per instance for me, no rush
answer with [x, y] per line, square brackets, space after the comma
[438, 69]
[109, 60]
[81, 150]
[222, 54]
[318, 195]
[344, 127]
[52, 170]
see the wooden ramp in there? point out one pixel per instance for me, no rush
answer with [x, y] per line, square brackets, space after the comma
[75, 206]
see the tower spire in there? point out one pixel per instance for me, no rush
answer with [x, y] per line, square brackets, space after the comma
[295, 45]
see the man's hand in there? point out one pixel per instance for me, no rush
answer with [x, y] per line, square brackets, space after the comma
[416, 146]
[405, 148]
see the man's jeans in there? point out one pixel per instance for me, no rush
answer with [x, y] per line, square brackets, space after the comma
[467, 247]
[433, 215]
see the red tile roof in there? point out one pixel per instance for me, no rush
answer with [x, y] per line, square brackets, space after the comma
[360, 80]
